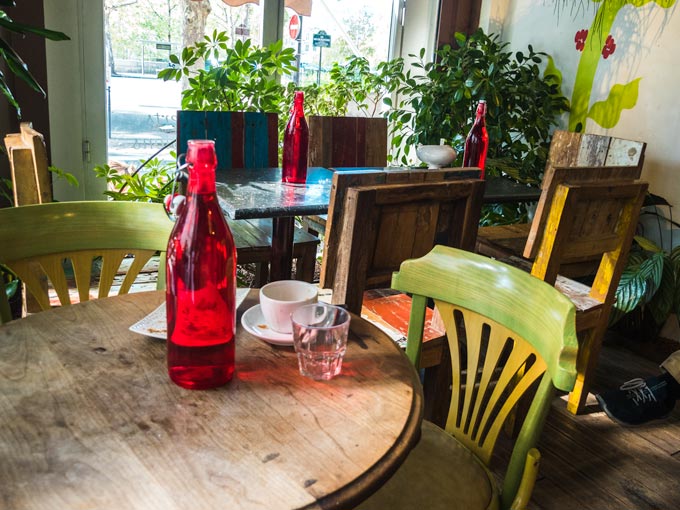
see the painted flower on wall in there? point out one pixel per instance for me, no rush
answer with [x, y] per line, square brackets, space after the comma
[609, 46]
[596, 44]
[580, 39]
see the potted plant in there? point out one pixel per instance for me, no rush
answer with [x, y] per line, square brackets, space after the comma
[438, 101]
[649, 290]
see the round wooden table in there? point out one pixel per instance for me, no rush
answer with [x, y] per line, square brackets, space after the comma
[90, 419]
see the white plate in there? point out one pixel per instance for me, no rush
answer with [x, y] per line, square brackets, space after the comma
[155, 324]
[253, 322]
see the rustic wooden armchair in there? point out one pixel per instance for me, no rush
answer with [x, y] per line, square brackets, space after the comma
[35, 240]
[507, 332]
[379, 219]
[618, 159]
[586, 228]
[585, 223]
[248, 140]
[344, 142]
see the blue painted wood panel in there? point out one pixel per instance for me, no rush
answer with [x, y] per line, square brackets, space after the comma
[242, 139]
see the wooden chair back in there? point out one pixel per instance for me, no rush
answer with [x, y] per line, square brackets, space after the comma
[31, 182]
[588, 220]
[591, 158]
[386, 224]
[242, 139]
[497, 354]
[347, 141]
[36, 239]
[343, 180]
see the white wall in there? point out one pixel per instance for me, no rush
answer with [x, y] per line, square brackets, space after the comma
[648, 46]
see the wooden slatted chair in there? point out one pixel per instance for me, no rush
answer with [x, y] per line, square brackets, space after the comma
[35, 240]
[380, 219]
[585, 222]
[247, 140]
[499, 322]
[623, 159]
[344, 142]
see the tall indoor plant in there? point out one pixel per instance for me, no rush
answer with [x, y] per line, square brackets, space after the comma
[437, 101]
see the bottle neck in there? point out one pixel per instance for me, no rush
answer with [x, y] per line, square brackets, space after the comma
[480, 116]
[201, 180]
[202, 163]
[299, 104]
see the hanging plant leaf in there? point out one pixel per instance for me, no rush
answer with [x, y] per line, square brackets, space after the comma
[20, 28]
[652, 199]
[647, 245]
[639, 282]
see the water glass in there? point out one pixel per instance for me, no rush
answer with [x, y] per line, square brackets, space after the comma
[320, 339]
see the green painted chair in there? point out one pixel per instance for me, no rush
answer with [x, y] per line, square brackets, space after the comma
[506, 331]
[35, 240]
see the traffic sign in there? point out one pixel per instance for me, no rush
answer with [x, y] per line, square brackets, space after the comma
[294, 26]
[321, 40]
[242, 30]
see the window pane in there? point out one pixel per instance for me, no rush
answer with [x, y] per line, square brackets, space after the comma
[355, 27]
[140, 36]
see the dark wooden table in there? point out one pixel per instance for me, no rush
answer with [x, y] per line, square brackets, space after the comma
[259, 193]
[90, 419]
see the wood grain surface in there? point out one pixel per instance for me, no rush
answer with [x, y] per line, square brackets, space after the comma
[90, 419]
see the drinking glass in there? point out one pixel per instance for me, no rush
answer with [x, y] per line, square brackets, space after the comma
[320, 339]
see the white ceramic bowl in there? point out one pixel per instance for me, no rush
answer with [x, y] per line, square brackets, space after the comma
[436, 156]
[279, 299]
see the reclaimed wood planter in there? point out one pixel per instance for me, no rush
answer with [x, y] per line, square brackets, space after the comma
[347, 141]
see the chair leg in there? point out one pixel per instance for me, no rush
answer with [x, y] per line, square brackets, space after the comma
[306, 263]
[589, 351]
[261, 274]
[437, 389]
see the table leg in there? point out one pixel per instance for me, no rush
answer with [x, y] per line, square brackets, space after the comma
[282, 248]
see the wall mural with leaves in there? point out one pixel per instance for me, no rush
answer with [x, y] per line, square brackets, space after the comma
[597, 44]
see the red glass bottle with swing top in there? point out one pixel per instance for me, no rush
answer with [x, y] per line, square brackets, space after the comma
[201, 281]
[295, 144]
[477, 141]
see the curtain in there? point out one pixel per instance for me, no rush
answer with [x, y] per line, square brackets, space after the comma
[302, 7]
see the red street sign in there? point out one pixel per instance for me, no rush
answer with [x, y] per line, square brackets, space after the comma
[294, 26]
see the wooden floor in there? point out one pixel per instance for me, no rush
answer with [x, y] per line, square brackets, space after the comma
[590, 462]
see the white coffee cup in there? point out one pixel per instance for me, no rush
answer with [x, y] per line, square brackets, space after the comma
[279, 299]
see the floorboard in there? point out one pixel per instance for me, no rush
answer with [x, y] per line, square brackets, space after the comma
[590, 462]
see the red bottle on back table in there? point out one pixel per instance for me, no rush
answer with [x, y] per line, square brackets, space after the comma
[295, 143]
[477, 141]
[201, 281]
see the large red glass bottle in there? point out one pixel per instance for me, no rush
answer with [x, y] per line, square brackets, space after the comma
[477, 141]
[295, 144]
[201, 281]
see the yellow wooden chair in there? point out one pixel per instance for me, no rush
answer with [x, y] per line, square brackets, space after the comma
[589, 222]
[500, 322]
[36, 239]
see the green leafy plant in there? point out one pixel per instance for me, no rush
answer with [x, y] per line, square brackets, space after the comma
[354, 82]
[14, 62]
[242, 78]
[522, 90]
[151, 185]
[649, 289]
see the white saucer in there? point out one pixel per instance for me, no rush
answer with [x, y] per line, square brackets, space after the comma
[253, 322]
